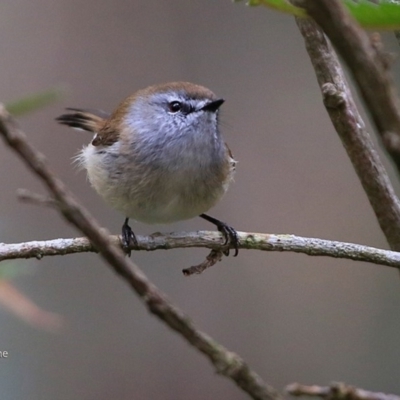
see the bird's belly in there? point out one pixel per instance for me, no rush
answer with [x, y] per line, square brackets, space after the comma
[152, 197]
[168, 203]
[167, 210]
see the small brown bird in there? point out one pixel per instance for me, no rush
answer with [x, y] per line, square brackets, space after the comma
[159, 157]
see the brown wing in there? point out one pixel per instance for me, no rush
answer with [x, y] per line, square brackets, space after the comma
[106, 136]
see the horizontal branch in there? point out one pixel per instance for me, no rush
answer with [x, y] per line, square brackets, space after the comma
[337, 391]
[210, 240]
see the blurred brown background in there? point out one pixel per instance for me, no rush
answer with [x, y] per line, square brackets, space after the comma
[292, 317]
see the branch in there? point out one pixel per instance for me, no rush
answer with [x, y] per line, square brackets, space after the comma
[351, 129]
[337, 391]
[369, 67]
[226, 363]
[210, 240]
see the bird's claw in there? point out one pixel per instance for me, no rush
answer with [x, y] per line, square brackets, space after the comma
[128, 238]
[231, 238]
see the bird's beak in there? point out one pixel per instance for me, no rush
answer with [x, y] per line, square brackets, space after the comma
[213, 105]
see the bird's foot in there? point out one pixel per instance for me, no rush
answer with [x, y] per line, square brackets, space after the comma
[229, 233]
[128, 238]
[231, 237]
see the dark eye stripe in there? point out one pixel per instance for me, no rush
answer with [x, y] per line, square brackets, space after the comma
[177, 106]
[187, 108]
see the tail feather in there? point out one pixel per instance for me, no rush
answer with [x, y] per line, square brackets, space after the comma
[88, 120]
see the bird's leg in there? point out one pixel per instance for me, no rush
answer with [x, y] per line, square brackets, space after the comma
[229, 233]
[128, 237]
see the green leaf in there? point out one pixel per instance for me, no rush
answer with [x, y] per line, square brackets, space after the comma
[35, 101]
[280, 5]
[378, 14]
[384, 15]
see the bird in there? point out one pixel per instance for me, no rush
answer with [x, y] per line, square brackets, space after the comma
[159, 157]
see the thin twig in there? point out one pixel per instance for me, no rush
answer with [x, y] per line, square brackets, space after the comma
[368, 64]
[214, 257]
[27, 196]
[349, 125]
[210, 240]
[337, 391]
[226, 363]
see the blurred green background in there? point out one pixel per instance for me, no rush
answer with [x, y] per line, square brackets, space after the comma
[292, 317]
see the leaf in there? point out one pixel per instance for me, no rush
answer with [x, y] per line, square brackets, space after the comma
[384, 15]
[378, 14]
[35, 101]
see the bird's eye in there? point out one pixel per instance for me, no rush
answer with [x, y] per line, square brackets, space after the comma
[175, 106]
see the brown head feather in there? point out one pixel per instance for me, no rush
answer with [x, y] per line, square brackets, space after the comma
[191, 90]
